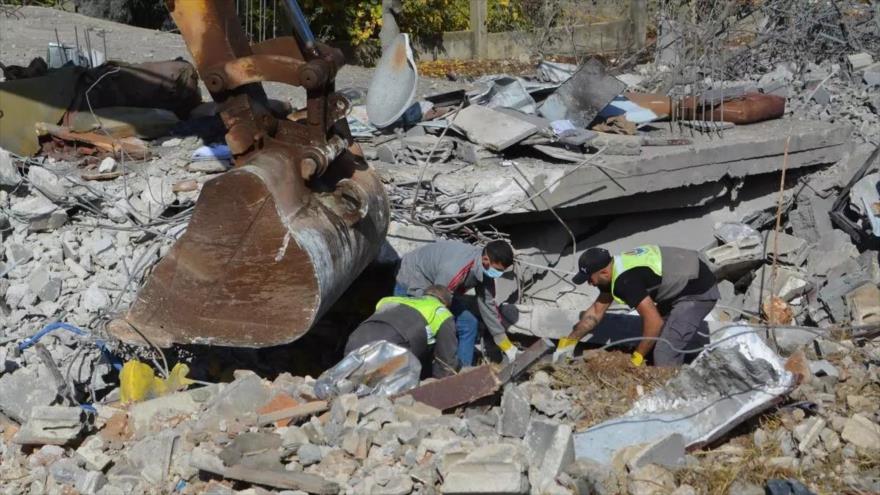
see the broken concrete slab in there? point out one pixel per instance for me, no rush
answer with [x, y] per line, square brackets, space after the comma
[51, 425]
[311, 483]
[734, 259]
[144, 415]
[586, 93]
[864, 304]
[745, 151]
[791, 250]
[550, 449]
[465, 478]
[23, 390]
[667, 452]
[490, 128]
[726, 384]
[515, 412]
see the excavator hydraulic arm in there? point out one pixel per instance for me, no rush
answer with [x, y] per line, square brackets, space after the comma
[275, 241]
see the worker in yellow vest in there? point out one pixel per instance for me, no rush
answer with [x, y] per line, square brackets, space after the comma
[418, 324]
[671, 288]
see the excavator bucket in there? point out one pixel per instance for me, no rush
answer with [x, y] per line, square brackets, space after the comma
[275, 241]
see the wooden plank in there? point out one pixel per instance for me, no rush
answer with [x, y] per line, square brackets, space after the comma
[293, 413]
[311, 483]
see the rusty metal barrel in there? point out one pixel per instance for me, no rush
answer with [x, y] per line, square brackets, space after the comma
[264, 256]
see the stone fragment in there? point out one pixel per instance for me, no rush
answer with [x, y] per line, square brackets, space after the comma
[787, 285]
[791, 250]
[650, 480]
[9, 175]
[864, 304]
[92, 452]
[515, 412]
[107, 165]
[43, 285]
[45, 456]
[51, 425]
[416, 412]
[745, 488]
[483, 477]
[47, 183]
[94, 299]
[48, 223]
[309, 454]
[807, 433]
[591, 477]
[144, 415]
[34, 207]
[549, 449]
[238, 400]
[862, 432]
[666, 452]
[684, 490]
[209, 166]
[23, 390]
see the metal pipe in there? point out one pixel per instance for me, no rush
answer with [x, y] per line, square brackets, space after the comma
[300, 24]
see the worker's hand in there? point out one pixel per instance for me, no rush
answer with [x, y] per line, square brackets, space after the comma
[637, 359]
[564, 349]
[511, 353]
[508, 348]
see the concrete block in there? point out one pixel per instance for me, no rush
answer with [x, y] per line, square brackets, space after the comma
[416, 412]
[791, 250]
[549, 449]
[515, 412]
[23, 390]
[788, 285]
[47, 183]
[862, 432]
[807, 433]
[51, 425]
[492, 129]
[48, 223]
[484, 477]
[34, 207]
[144, 415]
[832, 249]
[9, 175]
[668, 451]
[92, 452]
[864, 304]
[839, 282]
[734, 259]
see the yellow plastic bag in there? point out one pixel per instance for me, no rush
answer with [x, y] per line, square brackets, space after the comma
[138, 381]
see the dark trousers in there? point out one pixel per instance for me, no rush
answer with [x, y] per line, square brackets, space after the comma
[684, 328]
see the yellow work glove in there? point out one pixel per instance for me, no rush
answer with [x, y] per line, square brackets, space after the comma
[508, 348]
[564, 349]
[637, 359]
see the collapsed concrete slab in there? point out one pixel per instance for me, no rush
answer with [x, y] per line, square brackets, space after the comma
[734, 380]
[744, 151]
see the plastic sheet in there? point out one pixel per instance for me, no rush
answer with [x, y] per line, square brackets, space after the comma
[138, 381]
[731, 381]
[380, 368]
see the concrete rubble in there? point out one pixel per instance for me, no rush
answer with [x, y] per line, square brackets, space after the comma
[791, 402]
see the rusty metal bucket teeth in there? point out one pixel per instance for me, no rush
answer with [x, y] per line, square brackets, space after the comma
[263, 257]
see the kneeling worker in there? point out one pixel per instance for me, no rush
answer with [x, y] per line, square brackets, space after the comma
[417, 324]
[671, 288]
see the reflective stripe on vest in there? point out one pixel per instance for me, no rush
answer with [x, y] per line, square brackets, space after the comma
[431, 309]
[643, 256]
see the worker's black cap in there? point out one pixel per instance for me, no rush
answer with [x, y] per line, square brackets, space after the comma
[591, 260]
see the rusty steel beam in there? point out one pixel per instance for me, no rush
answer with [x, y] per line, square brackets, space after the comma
[458, 390]
[526, 359]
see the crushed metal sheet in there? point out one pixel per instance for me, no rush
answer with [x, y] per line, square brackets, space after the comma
[725, 385]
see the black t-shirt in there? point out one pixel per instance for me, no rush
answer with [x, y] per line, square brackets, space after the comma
[633, 285]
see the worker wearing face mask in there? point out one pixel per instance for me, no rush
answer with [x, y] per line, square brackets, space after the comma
[459, 267]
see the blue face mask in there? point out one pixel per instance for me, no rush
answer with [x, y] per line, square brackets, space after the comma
[492, 272]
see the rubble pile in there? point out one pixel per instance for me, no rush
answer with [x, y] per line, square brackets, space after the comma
[556, 162]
